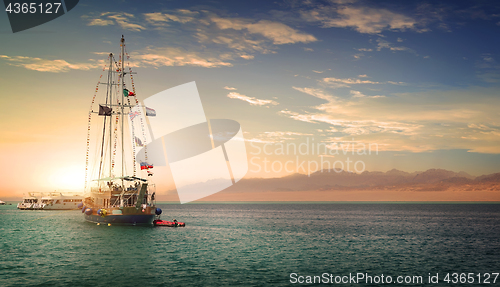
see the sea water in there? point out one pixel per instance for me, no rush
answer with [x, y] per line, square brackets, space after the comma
[256, 245]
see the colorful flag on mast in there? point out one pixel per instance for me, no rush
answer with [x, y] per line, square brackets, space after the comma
[150, 112]
[145, 165]
[105, 110]
[133, 114]
[138, 142]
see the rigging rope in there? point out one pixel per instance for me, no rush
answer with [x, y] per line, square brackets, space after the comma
[115, 131]
[140, 117]
[89, 123]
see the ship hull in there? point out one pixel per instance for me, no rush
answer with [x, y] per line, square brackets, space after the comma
[122, 219]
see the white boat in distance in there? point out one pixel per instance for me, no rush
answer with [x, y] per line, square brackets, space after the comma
[2, 202]
[50, 201]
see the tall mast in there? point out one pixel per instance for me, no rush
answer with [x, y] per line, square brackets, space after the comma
[109, 93]
[110, 85]
[123, 101]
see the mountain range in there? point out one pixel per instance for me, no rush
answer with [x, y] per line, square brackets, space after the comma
[324, 180]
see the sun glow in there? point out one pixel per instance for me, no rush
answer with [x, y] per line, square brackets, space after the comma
[67, 178]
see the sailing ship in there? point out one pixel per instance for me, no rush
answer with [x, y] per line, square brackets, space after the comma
[119, 189]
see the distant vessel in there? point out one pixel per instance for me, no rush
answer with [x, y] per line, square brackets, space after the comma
[117, 195]
[2, 202]
[59, 201]
[50, 201]
[30, 202]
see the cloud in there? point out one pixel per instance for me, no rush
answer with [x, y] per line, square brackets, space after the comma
[358, 56]
[159, 19]
[178, 57]
[358, 94]
[124, 20]
[277, 136]
[488, 68]
[156, 57]
[318, 93]
[362, 19]
[251, 100]
[204, 31]
[490, 77]
[339, 83]
[383, 44]
[415, 122]
[230, 88]
[348, 82]
[45, 65]
[101, 22]
[247, 57]
[279, 33]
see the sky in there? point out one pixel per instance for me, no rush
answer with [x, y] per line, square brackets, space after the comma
[359, 85]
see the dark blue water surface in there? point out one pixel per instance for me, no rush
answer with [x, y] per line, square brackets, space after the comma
[253, 245]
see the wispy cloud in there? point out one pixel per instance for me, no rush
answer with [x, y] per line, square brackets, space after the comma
[247, 57]
[318, 93]
[230, 88]
[178, 57]
[347, 82]
[358, 94]
[46, 65]
[101, 22]
[362, 19]
[124, 20]
[383, 44]
[277, 136]
[488, 68]
[279, 33]
[181, 16]
[238, 37]
[150, 57]
[251, 100]
[413, 122]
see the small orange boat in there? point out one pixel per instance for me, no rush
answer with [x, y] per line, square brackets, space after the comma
[159, 222]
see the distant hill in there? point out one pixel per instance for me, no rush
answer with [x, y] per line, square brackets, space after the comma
[494, 177]
[429, 180]
[434, 175]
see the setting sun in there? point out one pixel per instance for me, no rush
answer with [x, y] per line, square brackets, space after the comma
[66, 178]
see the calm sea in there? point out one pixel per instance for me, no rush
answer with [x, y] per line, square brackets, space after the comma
[255, 245]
